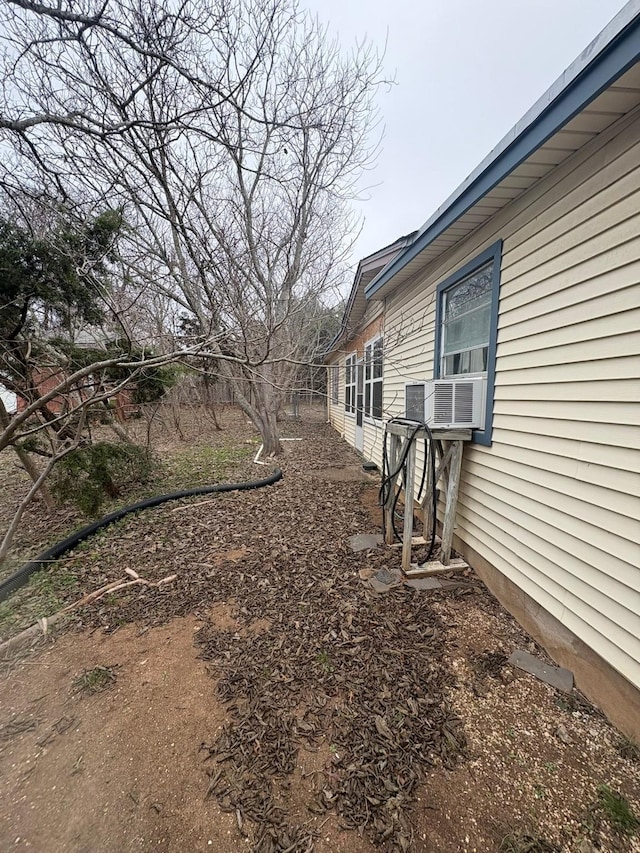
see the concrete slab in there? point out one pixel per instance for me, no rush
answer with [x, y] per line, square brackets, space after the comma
[556, 676]
[364, 541]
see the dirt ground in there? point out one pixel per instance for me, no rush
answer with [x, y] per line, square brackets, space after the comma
[267, 699]
[117, 770]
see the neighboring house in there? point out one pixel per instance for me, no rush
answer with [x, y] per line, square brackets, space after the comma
[46, 379]
[529, 277]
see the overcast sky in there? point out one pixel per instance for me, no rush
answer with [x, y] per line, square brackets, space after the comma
[466, 71]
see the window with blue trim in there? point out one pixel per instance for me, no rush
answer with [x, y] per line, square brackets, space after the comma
[467, 325]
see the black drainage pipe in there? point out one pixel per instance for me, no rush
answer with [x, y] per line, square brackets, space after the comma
[15, 581]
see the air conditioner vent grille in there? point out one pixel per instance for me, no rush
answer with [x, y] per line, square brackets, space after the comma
[463, 404]
[458, 402]
[443, 404]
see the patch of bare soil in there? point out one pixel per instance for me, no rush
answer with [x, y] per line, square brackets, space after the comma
[535, 755]
[329, 718]
[344, 474]
[117, 769]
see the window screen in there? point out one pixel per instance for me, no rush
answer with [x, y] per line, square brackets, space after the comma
[466, 324]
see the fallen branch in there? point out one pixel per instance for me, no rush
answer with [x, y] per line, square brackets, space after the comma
[41, 628]
[115, 586]
[38, 631]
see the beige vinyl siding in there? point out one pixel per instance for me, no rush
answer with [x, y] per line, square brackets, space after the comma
[350, 429]
[373, 437]
[336, 410]
[345, 422]
[554, 503]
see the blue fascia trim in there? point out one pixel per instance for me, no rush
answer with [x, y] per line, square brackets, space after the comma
[493, 253]
[611, 63]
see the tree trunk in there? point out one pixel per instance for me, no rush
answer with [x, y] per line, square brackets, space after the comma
[263, 415]
[7, 539]
[27, 461]
[270, 400]
[211, 409]
[270, 434]
[209, 401]
[33, 472]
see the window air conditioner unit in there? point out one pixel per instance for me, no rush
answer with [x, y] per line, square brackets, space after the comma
[457, 403]
[447, 403]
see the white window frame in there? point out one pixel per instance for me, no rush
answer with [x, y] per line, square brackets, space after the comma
[369, 382]
[350, 387]
[335, 384]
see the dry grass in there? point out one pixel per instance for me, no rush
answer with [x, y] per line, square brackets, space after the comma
[94, 680]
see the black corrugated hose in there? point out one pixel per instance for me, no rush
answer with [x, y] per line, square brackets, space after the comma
[389, 477]
[18, 579]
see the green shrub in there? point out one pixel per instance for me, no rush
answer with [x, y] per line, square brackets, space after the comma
[89, 475]
[152, 383]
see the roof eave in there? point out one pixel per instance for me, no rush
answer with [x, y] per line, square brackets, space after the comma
[398, 246]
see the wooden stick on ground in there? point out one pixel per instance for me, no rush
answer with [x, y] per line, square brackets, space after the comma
[41, 628]
[115, 586]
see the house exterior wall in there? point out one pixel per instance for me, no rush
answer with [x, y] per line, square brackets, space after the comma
[336, 410]
[554, 503]
[345, 422]
[549, 514]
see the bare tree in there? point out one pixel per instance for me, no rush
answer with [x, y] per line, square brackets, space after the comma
[232, 135]
[55, 434]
